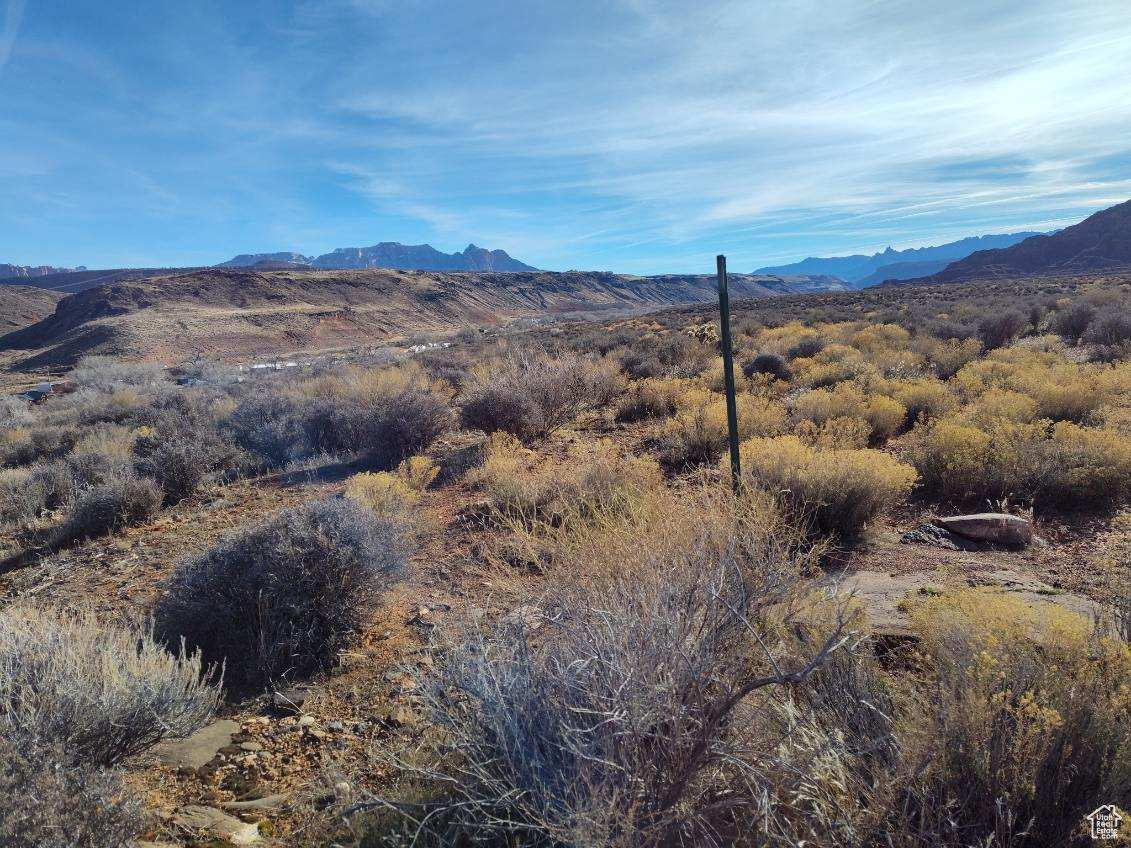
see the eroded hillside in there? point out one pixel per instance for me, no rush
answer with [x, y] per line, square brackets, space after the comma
[238, 314]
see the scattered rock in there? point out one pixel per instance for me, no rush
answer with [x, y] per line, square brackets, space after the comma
[215, 823]
[267, 802]
[290, 699]
[937, 537]
[335, 726]
[998, 528]
[199, 749]
[252, 747]
[306, 721]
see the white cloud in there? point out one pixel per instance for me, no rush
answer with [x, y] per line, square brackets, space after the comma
[717, 114]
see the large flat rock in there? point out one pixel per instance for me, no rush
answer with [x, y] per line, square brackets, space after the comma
[206, 820]
[200, 748]
[998, 528]
[883, 595]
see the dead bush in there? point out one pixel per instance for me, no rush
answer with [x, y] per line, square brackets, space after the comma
[101, 692]
[121, 502]
[635, 715]
[532, 395]
[1072, 321]
[281, 598]
[998, 330]
[47, 803]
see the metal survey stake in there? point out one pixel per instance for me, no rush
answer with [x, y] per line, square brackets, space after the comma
[728, 369]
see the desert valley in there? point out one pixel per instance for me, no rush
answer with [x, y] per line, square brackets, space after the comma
[604, 424]
[301, 556]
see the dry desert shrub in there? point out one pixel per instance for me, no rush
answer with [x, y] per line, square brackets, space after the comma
[653, 397]
[698, 434]
[48, 803]
[885, 416]
[835, 363]
[925, 398]
[121, 501]
[948, 357]
[15, 412]
[23, 446]
[999, 330]
[651, 708]
[771, 364]
[28, 494]
[281, 598]
[835, 490]
[835, 433]
[530, 395]
[100, 692]
[385, 415]
[1072, 320]
[529, 494]
[1062, 464]
[394, 495]
[1025, 722]
[106, 373]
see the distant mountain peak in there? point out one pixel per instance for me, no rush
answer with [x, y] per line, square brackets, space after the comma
[861, 271]
[1100, 242]
[390, 254]
[12, 272]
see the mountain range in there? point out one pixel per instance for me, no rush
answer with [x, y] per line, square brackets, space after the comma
[1101, 242]
[387, 254]
[861, 271]
[8, 271]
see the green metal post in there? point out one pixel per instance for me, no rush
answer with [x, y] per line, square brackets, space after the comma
[728, 370]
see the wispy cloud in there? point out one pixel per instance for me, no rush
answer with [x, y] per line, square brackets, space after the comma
[644, 135]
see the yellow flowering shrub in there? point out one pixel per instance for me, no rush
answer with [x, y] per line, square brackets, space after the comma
[843, 432]
[1062, 463]
[393, 494]
[924, 398]
[884, 415]
[597, 480]
[387, 494]
[950, 356]
[1026, 711]
[835, 490]
[836, 363]
[698, 433]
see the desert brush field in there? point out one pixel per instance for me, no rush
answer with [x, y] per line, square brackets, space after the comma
[500, 591]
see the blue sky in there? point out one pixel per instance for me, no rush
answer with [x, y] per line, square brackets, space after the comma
[628, 135]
